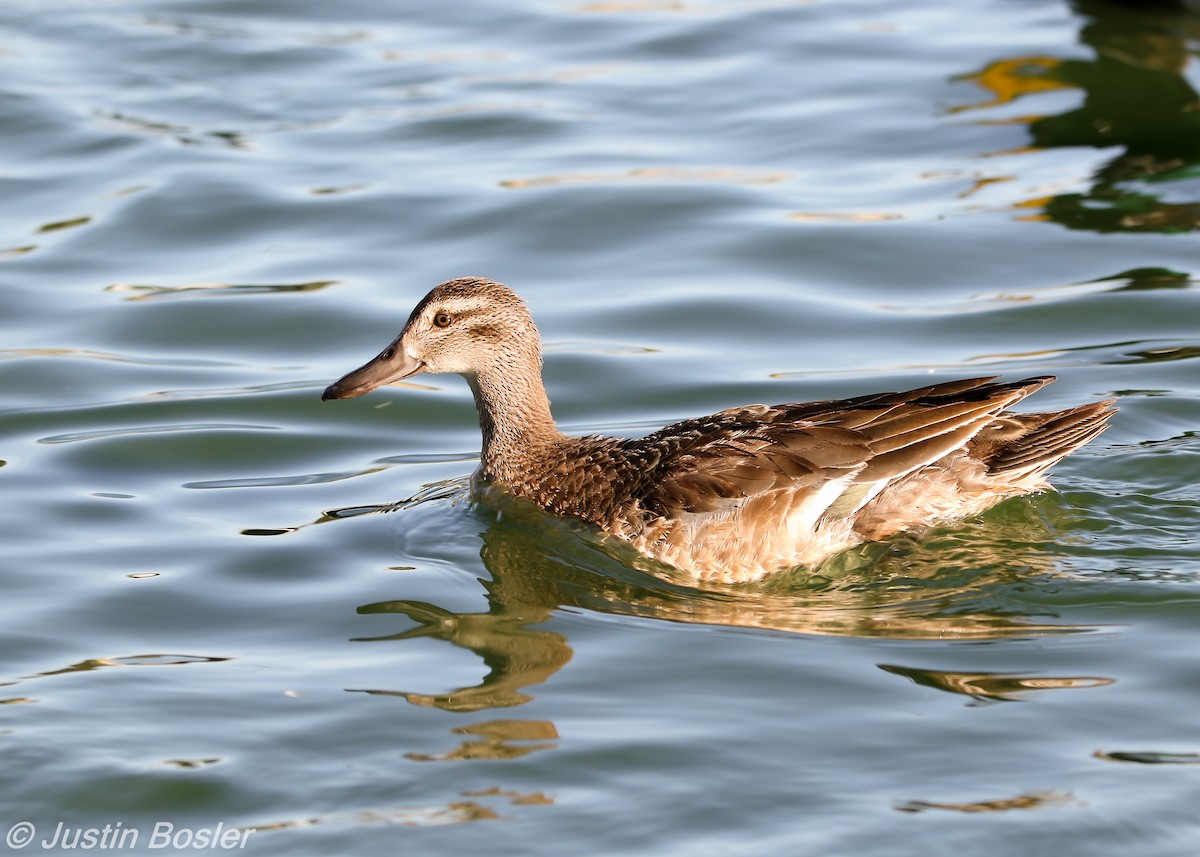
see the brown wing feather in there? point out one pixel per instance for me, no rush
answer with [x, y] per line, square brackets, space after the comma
[701, 465]
[705, 477]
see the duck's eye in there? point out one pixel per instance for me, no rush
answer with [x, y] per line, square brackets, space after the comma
[442, 319]
[389, 353]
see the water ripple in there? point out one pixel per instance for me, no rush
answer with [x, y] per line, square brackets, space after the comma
[149, 292]
[124, 431]
[653, 175]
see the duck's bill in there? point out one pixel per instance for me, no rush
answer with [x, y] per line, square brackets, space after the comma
[392, 365]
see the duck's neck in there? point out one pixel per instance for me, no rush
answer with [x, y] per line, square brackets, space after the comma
[514, 416]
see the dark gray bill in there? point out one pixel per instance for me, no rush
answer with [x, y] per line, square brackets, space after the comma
[393, 364]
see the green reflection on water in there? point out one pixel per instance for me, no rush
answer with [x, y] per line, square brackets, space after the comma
[1135, 98]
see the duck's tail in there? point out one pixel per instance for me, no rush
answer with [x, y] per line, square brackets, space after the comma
[1047, 439]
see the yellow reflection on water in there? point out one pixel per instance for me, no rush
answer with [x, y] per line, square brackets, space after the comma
[1038, 205]
[1030, 800]
[65, 224]
[980, 183]
[515, 797]
[497, 739]
[1010, 79]
[991, 686]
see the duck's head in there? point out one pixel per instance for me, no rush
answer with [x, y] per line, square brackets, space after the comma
[469, 326]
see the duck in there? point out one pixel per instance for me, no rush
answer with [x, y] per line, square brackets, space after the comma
[746, 492]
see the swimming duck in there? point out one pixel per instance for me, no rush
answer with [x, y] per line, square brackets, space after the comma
[737, 495]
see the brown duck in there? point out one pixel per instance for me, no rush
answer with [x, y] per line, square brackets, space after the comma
[744, 492]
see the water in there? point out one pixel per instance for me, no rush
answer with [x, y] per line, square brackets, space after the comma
[214, 209]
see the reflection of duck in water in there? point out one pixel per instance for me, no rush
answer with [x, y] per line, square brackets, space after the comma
[745, 492]
[955, 587]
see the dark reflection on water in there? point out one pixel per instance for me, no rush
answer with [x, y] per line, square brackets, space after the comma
[1148, 279]
[1148, 757]
[1135, 97]
[953, 586]
[151, 660]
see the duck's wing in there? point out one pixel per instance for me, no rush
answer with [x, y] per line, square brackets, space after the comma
[839, 452]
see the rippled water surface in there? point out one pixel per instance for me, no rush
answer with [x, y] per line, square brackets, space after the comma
[227, 602]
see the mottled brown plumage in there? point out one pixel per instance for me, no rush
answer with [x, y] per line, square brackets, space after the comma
[743, 492]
